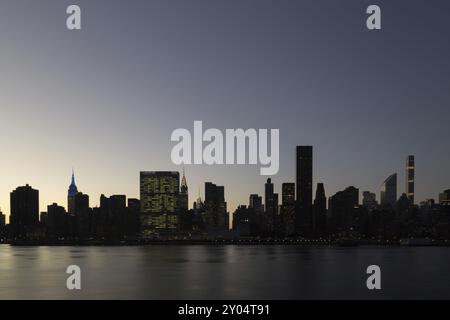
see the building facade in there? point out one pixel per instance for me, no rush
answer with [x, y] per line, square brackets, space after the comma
[410, 172]
[216, 216]
[320, 211]
[159, 192]
[388, 192]
[287, 210]
[184, 195]
[369, 200]
[304, 181]
[24, 204]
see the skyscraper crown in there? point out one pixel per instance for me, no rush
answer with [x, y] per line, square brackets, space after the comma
[73, 187]
[184, 187]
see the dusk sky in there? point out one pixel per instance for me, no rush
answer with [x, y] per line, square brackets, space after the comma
[106, 99]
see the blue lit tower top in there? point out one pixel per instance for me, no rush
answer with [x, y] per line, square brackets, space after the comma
[73, 187]
[72, 192]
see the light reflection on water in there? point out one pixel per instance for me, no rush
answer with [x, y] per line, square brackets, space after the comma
[223, 272]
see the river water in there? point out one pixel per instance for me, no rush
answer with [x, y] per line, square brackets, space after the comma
[224, 272]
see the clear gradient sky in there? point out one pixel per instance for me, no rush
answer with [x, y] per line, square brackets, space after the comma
[106, 99]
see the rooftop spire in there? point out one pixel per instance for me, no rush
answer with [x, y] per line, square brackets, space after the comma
[199, 199]
[73, 187]
[183, 180]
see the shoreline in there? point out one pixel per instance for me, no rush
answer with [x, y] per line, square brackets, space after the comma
[221, 242]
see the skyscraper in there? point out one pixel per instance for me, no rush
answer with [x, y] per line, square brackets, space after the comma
[271, 205]
[304, 168]
[2, 220]
[410, 171]
[216, 216]
[56, 221]
[71, 193]
[24, 211]
[268, 196]
[287, 210]
[83, 215]
[159, 192]
[184, 196]
[255, 202]
[113, 216]
[343, 206]
[320, 210]
[388, 193]
[244, 221]
[133, 216]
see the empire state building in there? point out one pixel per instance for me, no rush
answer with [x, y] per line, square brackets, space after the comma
[72, 192]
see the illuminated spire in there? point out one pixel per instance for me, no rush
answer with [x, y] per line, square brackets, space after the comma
[73, 187]
[184, 187]
[183, 180]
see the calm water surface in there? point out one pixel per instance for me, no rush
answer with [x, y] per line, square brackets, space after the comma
[224, 272]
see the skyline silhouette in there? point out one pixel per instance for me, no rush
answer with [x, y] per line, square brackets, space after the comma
[399, 189]
[236, 204]
[163, 207]
[277, 188]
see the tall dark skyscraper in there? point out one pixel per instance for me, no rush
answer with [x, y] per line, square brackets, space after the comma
[287, 210]
[320, 210]
[388, 192]
[410, 171]
[268, 195]
[271, 205]
[24, 211]
[83, 214]
[216, 216]
[304, 181]
[159, 201]
[71, 193]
